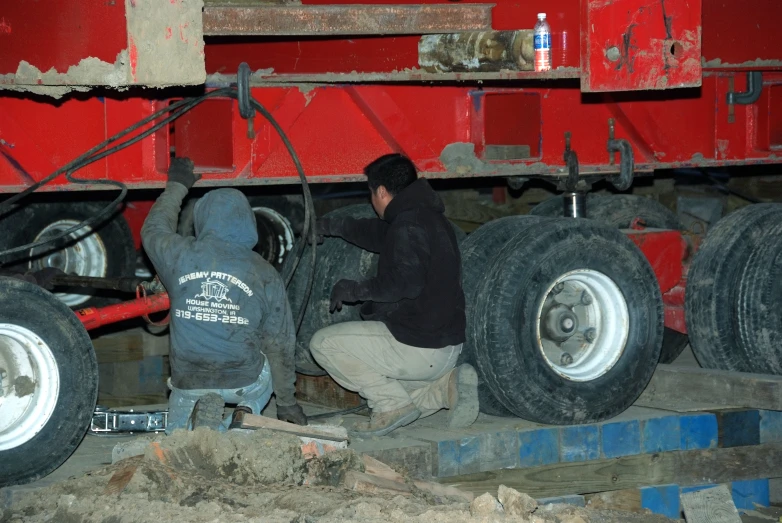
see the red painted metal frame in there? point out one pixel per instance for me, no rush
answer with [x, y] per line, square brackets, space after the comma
[655, 44]
[93, 318]
[337, 130]
[666, 252]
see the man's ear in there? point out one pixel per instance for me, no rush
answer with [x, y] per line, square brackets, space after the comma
[382, 192]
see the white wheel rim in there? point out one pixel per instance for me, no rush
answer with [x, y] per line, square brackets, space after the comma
[582, 325]
[30, 385]
[283, 227]
[84, 255]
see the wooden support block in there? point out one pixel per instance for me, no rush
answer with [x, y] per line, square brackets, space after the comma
[714, 505]
[380, 469]
[254, 421]
[627, 500]
[369, 484]
[691, 467]
[685, 389]
[322, 390]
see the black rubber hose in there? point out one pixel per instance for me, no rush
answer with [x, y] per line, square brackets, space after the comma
[309, 214]
[176, 109]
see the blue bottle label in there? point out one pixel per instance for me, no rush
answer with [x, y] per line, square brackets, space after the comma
[542, 41]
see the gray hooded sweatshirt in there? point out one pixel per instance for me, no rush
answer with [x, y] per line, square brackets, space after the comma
[229, 307]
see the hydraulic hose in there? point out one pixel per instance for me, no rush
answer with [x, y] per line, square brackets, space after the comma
[173, 111]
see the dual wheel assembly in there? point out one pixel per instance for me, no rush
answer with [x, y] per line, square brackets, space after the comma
[565, 316]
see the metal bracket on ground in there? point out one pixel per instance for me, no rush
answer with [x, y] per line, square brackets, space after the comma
[107, 422]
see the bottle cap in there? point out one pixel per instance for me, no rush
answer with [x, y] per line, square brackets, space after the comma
[541, 16]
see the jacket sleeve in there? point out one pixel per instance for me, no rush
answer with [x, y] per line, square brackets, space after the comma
[158, 235]
[367, 233]
[278, 338]
[405, 276]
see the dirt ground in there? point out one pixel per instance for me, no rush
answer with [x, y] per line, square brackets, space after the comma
[262, 476]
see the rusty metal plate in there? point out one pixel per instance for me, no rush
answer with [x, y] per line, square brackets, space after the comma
[629, 45]
[329, 20]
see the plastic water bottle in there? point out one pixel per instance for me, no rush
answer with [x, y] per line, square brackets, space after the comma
[542, 44]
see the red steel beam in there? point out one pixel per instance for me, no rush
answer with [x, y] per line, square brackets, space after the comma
[331, 20]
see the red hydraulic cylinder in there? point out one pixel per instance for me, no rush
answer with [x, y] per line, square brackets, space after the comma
[93, 318]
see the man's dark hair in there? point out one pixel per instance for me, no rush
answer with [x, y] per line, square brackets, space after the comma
[392, 171]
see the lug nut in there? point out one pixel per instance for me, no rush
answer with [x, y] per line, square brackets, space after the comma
[590, 335]
[559, 287]
[566, 359]
[586, 298]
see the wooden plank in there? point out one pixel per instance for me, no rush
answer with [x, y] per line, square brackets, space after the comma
[380, 469]
[628, 500]
[713, 505]
[254, 421]
[691, 467]
[684, 389]
[325, 20]
[369, 484]
[439, 490]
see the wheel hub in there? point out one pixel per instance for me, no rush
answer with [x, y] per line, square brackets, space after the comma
[275, 235]
[30, 385]
[82, 253]
[583, 324]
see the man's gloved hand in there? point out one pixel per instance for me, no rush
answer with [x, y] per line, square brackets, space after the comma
[181, 171]
[292, 414]
[343, 291]
[322, 228]
[45, 276]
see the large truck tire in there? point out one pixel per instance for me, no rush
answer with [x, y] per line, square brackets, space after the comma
[279, 220]
[49, 382]
[337, 259]
[733, 299]
[106, 250]
[619, 211]
[478, 251]
[568, 323]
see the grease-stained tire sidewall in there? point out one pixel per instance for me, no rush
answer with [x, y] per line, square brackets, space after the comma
[478, 251]
[28, 306]
[511, 294]
[712, 297]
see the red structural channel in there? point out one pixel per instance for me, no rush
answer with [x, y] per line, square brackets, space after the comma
[446, 130]
[93, 318]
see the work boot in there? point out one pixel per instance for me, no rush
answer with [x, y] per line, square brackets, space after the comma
[208, 412]
[462, 396]
[381, 423]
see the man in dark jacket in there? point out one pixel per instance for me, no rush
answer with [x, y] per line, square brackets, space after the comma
[231, 327]
[401, 357]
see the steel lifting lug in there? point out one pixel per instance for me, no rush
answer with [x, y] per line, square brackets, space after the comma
[626, 163]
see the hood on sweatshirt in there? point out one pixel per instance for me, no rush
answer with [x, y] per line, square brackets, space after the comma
[417, 194]
[226, 214]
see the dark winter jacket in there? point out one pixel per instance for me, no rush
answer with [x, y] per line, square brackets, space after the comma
[417, 292]
[228, 305]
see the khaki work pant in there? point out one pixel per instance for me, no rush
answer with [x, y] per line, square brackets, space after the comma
[364, 357]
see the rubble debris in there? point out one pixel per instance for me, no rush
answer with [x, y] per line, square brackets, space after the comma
[263, 476]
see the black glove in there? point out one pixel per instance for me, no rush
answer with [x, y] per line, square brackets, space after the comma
[44, 277]
[322, 228]
[343, 291]
[292, 414]
[181, 171]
